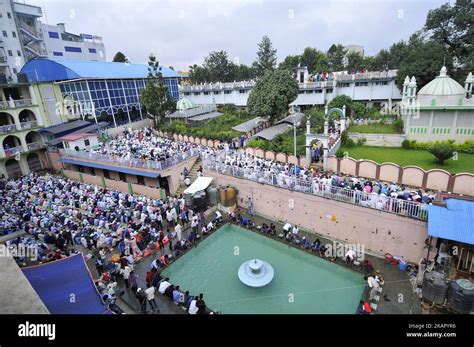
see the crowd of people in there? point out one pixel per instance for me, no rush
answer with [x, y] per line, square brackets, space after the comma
[371, 193]
[144, 144]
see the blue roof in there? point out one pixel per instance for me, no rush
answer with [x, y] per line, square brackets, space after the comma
[454, 222]
[125, 170]
[47, 70]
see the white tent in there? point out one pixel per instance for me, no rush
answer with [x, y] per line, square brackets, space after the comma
[201, 183]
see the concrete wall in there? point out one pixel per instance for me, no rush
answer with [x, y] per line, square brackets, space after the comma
[379, 232]
[412, 176]
[135, 125]
[384, 140]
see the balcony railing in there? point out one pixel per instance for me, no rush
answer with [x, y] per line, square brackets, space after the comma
[34, 145]
[12, 151]
[132, 162]
[3, 59]
[7, 128]
[371, 200]
[29, 125]
[369, 75]
[15, 103]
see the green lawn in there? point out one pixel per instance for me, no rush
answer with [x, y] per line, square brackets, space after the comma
[406, 157]
[375, 128]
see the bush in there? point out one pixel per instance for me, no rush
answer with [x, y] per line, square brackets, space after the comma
[344, 137]
[406, 144]
[397, 125]
[361, 141]
[340, 153]
[350, 143]
[441, 153]
[258, 143]
[358, 108]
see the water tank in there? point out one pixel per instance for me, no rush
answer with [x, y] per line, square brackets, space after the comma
[228, 196]
[188, 200]
[435, 288]
[461, 296]
[213, 194]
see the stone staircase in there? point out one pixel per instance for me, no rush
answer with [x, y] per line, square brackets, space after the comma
[192, 175]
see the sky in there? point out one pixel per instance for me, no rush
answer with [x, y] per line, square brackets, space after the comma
[183, 32]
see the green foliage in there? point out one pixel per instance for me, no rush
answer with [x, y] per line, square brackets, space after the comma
[119, 57]
[355, 62]
[258, 143]
[349, 143]
[219, 67]
[397, 125]
[344, 138]
[341, 100]
[406, 144]
[272, 94]
[290, 62]
[266, 57]
[315, 60]
[361, 141]
[358, 108]
[441, 153]
[155, 95]
[465, 147]
[316, 118]
[219, 128]
[373, 128]
[340, 153]
[335, 57]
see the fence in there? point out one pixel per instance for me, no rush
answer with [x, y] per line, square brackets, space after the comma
[131, 162]
[371, 200]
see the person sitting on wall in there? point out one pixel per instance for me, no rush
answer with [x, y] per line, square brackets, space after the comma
[316, 245]
[305, 243]
[272, 229]
[350, 256]
[218, 218]
[210, 226]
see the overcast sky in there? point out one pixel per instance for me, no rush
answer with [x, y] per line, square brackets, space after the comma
[183, 32]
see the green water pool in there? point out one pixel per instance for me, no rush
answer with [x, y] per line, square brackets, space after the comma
[303, 283]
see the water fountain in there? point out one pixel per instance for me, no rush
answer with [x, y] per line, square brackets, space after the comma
[256, 273]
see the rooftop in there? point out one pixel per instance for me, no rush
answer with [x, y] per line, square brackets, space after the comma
[47, 70]
[75, 137]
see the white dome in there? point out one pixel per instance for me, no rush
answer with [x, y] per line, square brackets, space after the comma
[442, 85]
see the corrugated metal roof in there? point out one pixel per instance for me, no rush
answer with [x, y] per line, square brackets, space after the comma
[271, 132]
[130, 171]
[453, 222]
[291, 118]
[192, 112]
[248, 125]
[60, 128]
[47, 70]
[205, 116]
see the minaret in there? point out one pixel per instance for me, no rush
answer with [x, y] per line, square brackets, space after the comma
[405, 88]
[468, 85]
[411, 91]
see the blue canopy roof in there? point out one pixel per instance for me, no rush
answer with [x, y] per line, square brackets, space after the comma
[46, 70]
[453, 222]
[125, 170]
[55, 282]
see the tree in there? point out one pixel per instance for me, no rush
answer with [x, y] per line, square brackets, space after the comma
[266, 57]
[451, 27]
[341, 100]
[335, 55]
[441, 153]
[244, 72]
[155, 95]
[198, 74]
[119, 57]
[355, 62]
[272, 94]
[359, 108]
[315, 60]
[219, 67]
[291, 62]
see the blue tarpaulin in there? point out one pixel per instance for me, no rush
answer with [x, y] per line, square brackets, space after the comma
[454, 222]
[66, 287]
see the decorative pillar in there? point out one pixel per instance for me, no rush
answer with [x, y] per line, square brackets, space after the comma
[326, 128]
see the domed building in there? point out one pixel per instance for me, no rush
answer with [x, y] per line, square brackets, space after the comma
[184, 104]
[441, 110]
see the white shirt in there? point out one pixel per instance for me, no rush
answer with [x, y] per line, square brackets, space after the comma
[372, 282]
[193, 309]
[163, 286]
[351, 254]
[150, 293]
[218, 214]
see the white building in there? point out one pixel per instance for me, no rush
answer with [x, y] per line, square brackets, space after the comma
[23, 38]
[441, 110]
[80, 141]
[371, 88]
[61, 44]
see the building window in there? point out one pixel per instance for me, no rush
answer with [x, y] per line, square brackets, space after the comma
[206, 93]
[9, 15]
[227, 91]
[14, 34]
[217, 92]
[106, 174]
[242, 91]
[92, 170]
[123, 177]
[10, 53]
[14, 71]
[187, 93]
[318, 91]
[87, 142]
[141, 180]
[18, 53]
[362, 84]
[53, 34]
[58, 54]
[92, 50]
[329, 91]
[4, 32]
[73, 49]
[343, 85]
[196, 93]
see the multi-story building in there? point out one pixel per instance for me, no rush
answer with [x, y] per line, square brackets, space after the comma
[61, 44]
[23, 38]
[371, 88]
[352, 49]
[21, 118]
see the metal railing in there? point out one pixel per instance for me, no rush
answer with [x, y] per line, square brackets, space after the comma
[371, 200]
[8, 128]
[34, 145]
[366, 75]
[13, 150]
[132, 162]
[15, 103]
[29, 125]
